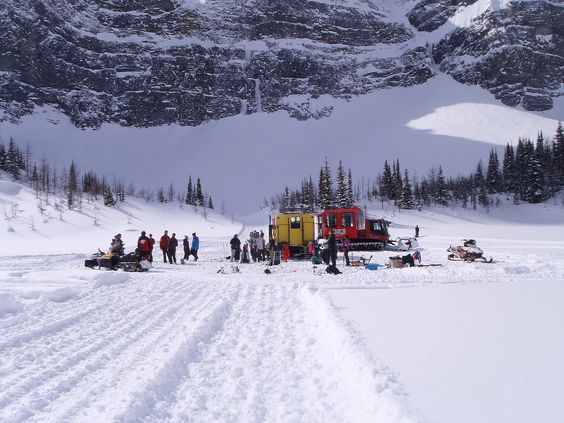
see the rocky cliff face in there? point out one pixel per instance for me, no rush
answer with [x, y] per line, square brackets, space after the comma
[155, 62]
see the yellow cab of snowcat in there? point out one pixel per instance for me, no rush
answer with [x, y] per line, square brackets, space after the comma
[295, 229]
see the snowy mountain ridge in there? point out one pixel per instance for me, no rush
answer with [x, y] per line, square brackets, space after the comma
[153, 62]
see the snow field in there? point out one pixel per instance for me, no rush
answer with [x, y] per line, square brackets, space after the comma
[176, 345]
[185, 343]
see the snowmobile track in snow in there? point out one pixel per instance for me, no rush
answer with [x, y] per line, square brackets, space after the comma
[174, 347]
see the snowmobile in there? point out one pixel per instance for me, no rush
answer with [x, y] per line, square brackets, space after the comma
[131, 262]
[468, 252]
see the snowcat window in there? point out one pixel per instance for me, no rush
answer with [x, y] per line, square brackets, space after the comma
[295, 222]
[377, 226]
[347, 220]
[331, 220]
[360, 220]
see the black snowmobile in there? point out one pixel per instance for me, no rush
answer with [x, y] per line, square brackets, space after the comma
[131, 262]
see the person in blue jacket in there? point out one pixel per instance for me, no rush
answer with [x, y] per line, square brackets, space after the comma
[195, 246]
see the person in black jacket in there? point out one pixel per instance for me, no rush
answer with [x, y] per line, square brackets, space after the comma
[235, 248]
[171, 250]
[332, 242]
[186, 245]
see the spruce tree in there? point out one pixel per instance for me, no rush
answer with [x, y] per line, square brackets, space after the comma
[3, 157]
[533, 177]
[72, 185]
[285, 202]
[342, 198]
[441, 189]
[325, 187]
[386, 190]
[508, 176]
[350, 195]
[109, 199]
[406, 201]
[210, 203]
[559, 153]
[199, 193]
[189, 193]
[13, 160]
[493, 178]
[396, 182]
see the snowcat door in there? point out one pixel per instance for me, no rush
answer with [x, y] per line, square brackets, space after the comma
[295, 231]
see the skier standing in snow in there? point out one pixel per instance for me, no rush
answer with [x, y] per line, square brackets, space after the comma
[186, 245]
[416, 231]
[164, 244]
[195, 246]
[171, 250]
[235, 247]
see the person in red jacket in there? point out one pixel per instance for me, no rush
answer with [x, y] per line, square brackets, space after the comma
[144, 245]
[164, 244]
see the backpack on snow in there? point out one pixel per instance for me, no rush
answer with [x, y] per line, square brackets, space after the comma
[332, 270]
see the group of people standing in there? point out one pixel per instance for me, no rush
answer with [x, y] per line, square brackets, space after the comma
[168, 245]
[253, 249]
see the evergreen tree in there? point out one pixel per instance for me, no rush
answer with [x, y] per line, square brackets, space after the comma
[508, 176]
[441, 189]
[350, 195]
[285, 202]
[325, 187]
[72, 185]
[210, 203]
[386, 189]
[199, 193]
[406, 201]
[396, 182]
[480, 185]
[3, 158]
[342, 197]
[559, 153]
[189, 193]
[13, 160]
[109, 199]
[493, 178]
[533, 178]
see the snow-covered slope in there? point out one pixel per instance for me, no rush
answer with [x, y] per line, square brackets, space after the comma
[30, 224]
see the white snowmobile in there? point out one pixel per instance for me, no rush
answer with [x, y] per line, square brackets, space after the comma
[468, 252]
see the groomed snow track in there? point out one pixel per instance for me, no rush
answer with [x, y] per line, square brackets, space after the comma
[180, 345]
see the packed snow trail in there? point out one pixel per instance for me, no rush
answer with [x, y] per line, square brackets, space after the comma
[185, 344]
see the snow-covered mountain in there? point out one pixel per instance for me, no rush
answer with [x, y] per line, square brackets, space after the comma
[154, 62]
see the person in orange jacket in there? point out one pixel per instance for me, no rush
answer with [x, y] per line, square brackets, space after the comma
[286, 251]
